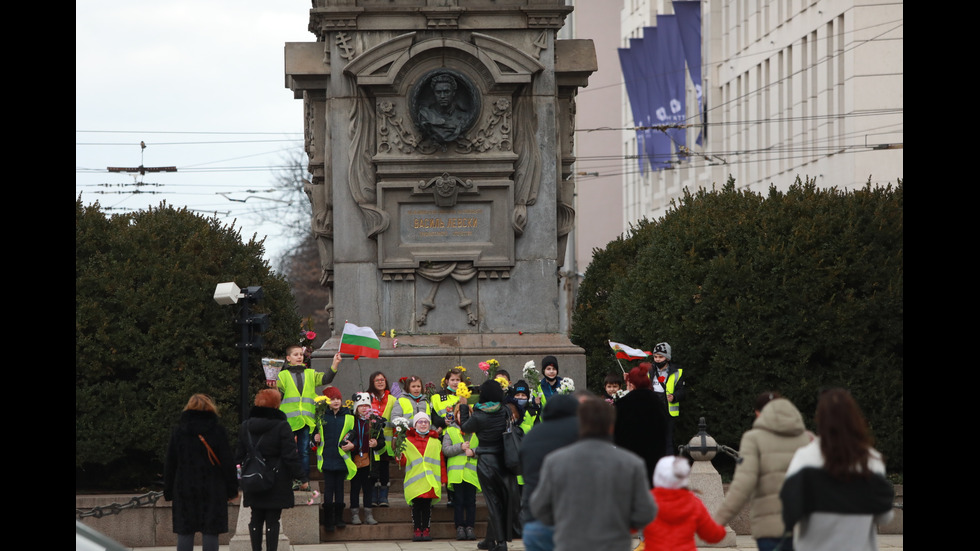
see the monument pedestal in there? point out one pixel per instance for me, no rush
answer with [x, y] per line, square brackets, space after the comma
[430, 356]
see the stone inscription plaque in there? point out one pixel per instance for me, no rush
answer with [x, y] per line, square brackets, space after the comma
[459, 224]
[476, 229]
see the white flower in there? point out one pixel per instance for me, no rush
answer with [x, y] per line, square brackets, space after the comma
[567, 386]
[400, 422]
[529, 366]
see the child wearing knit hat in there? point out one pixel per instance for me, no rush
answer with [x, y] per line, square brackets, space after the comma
[335, 465]
[680, 513]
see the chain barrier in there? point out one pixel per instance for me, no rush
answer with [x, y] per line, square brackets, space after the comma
[114, 508]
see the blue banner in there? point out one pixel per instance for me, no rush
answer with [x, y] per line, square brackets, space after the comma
[688, 14]
[628, 63]
[657, 144]
[668, 56]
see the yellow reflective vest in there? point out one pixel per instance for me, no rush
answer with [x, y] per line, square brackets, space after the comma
[298, 404]
[423, 472]
[460, 468]
[673, 408]
[345, 455]
[442, 404]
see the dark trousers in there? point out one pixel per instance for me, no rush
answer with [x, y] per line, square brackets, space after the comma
[333, 486]
[464, 504]
[421, 512]
[497, 485]
[361, 484]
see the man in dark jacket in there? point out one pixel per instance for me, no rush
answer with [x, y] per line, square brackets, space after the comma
[558, 428]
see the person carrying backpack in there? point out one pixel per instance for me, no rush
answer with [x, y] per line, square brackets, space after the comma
[267, 432]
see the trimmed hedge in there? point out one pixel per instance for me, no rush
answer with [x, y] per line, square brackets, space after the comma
[148, 333]
[794, 291]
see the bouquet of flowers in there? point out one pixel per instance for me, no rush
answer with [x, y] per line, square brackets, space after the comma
[463, 392]
[503, 382]
[400, 429]
[490, 367]
[322, 405]
[306, 336]
[431, 389]
[531, 375]
[377, 424]
[567, 386]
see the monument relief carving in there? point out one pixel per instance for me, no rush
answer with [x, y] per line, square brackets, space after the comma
[444, 105]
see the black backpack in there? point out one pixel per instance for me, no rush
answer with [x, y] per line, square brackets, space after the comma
[257, 474]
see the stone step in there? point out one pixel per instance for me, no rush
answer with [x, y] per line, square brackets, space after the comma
[396, 531]
[395, 522]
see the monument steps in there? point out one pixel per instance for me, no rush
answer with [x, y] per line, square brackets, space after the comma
[395, 521]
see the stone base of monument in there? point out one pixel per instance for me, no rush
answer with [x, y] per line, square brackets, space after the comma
[430, 356]
[299, 525]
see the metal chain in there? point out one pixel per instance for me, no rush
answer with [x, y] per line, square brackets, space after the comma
[114, 508]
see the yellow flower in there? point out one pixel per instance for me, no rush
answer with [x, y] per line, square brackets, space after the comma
[348, 403]
[503, 382]
[321, 398]
[462, 391]
[392, 333]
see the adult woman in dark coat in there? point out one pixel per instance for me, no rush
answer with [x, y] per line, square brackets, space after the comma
[641, 420]
[499, 486]
[271, 435]
[199, 475]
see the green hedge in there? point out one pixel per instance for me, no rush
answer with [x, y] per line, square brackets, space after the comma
[794, 291]
[148, 333]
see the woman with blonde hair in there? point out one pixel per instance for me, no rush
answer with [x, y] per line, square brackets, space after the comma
[199, 475]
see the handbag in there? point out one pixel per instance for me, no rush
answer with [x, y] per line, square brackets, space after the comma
[512, 447]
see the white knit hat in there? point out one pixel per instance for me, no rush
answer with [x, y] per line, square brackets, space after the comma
[671, 472]
[419, 416]
[362, 399]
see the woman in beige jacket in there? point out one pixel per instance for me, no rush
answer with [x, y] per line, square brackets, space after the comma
[765, 453]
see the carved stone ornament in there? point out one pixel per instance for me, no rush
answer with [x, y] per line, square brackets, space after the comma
[445, 188]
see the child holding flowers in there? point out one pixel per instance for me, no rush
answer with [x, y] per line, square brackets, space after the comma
[422, 454]
[459, 449]
[443, 402]
[334, 422]
[364, 441]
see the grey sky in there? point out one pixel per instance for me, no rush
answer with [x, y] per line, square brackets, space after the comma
[201, 82]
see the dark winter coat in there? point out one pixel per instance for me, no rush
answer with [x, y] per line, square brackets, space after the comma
[199, 490]
[558, 428]
[278, 448]
[641, 423]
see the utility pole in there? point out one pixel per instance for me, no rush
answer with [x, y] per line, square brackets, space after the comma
[141, 170]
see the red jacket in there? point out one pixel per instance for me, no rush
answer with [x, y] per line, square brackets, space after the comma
[680, 514]
[413, 438]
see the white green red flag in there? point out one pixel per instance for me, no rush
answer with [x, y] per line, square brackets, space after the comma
[359, 341]
[624, 352]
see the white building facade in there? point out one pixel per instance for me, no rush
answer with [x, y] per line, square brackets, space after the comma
[808, 88]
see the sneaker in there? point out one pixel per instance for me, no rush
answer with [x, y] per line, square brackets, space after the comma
[460, 533]
[418, 535]
[426, 536]
[470, 533]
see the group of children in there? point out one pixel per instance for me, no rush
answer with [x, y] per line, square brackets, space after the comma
[358, 445]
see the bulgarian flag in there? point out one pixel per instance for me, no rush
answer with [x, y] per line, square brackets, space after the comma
[359, 341]
[624, 352]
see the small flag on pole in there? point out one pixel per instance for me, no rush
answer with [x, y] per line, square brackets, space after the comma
[624, 352]
[359, 341]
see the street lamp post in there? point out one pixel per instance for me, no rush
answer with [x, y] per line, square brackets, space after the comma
[252, 326]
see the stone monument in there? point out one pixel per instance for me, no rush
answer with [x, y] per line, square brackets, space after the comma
[440, 142]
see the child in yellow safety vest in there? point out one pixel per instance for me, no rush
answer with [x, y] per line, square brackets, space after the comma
[423, 476]
[459, 449]
[335, 463]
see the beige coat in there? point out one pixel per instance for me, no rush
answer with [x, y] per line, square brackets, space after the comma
[765, 452]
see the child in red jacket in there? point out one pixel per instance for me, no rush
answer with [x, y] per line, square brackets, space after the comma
[680, 513]
[423, 477]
